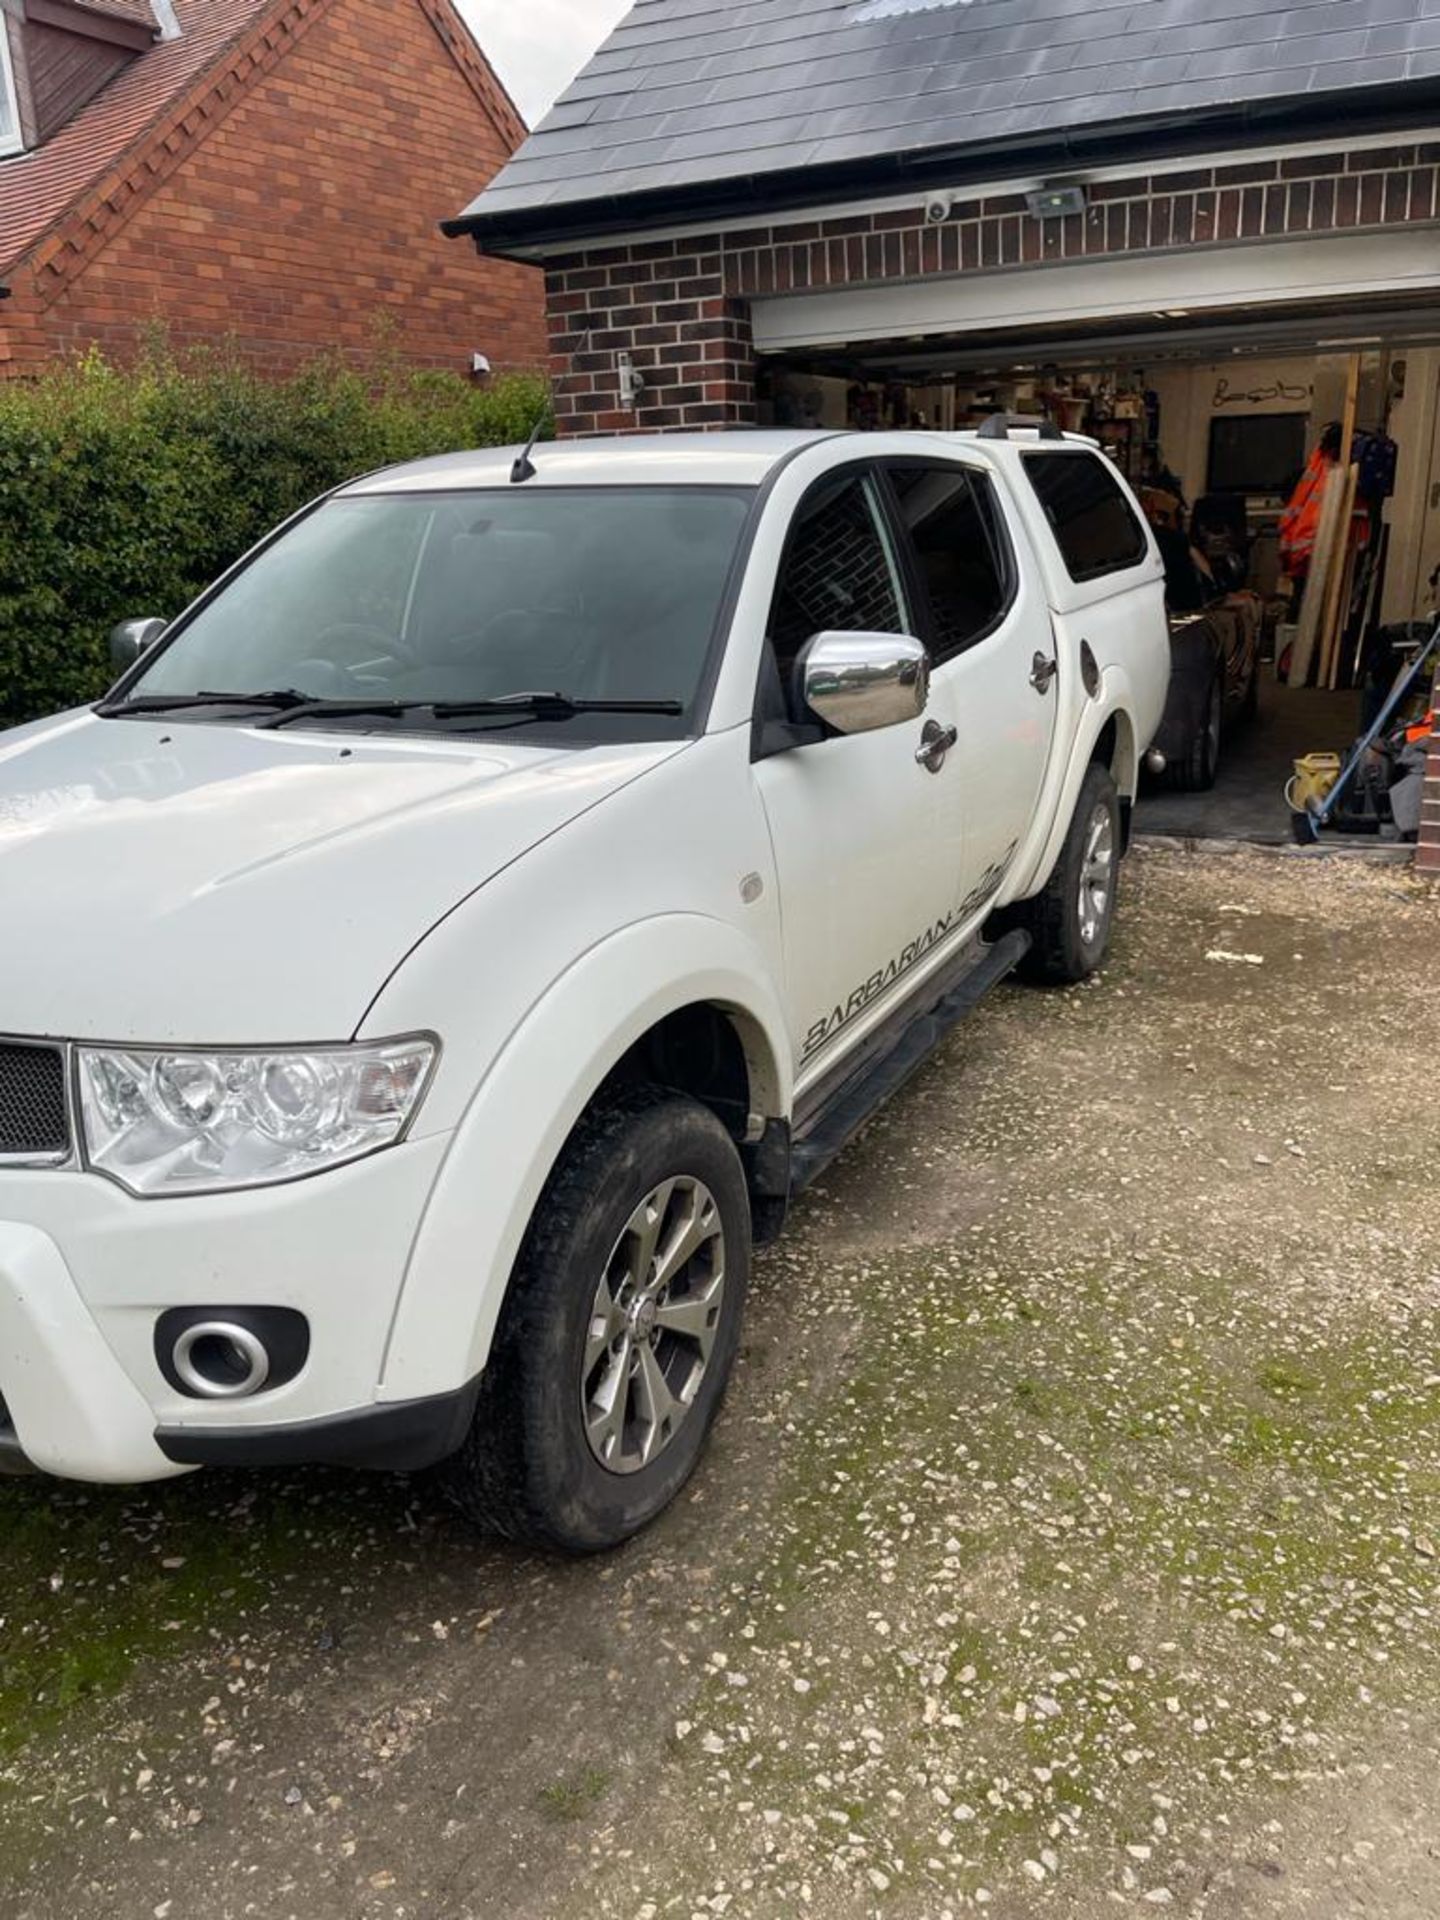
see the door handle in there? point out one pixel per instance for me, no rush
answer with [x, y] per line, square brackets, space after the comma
[935, 742]
[1042, 671]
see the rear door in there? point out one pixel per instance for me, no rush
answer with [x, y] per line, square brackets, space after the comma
[864, 835]
[989, 630]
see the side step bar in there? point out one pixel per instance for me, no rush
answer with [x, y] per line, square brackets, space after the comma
[857, 1099]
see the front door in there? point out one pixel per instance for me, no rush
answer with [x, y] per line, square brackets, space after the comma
[865, 846]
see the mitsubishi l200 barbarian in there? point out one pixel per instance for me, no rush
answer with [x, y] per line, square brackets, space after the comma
[457, 937]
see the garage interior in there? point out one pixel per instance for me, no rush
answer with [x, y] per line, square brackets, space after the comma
[1226, 407]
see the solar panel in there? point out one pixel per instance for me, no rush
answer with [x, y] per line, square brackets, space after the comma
[891, 9]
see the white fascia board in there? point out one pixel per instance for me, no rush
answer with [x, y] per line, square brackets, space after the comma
[972, 190]
[1202, 280]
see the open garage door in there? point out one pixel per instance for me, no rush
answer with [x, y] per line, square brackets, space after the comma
[1334, 276]
[1212, 378]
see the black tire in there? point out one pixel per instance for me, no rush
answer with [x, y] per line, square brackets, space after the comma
[527, 1469]
[1194, 771]
[1065, 949]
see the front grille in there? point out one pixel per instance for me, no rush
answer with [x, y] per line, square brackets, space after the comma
[32, 1101]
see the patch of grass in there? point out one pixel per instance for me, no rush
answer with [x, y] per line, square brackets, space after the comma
[575, 1798]
[98, 1581]
[1282, 1380]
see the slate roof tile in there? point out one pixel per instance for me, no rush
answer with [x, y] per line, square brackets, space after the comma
[705, 92]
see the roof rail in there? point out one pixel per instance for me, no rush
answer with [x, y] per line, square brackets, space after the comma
[998, 426]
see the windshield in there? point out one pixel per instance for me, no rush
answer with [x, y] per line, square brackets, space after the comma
[604, 595]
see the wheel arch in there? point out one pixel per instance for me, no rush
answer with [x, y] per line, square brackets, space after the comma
[1106, 732]
[716, 1052]
[1116, 747]
[683, 991]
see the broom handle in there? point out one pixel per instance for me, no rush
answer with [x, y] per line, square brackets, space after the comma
[1401, 690]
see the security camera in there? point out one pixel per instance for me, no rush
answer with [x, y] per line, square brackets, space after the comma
[937, 209]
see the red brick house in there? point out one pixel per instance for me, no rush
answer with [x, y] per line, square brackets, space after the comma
[267, 171]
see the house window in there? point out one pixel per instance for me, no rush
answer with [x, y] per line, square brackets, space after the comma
[10, 141]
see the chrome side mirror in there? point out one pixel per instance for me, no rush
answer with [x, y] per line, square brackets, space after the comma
[859, 682]
[132, 638]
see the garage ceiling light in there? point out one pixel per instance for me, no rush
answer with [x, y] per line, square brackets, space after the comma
[1056, 203]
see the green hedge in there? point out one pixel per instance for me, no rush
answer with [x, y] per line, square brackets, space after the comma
[123, 493]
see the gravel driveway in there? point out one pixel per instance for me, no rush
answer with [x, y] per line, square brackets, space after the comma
[1069, 1544]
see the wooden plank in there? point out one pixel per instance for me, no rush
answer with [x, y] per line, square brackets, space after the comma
[1352, 406]
[1317, 582]
[1342, 568]
[1337, 580]
[1337, 612]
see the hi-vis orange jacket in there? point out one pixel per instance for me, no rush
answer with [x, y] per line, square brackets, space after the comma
[1300, 521]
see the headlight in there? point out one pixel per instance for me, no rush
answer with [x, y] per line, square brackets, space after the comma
[171, 1123]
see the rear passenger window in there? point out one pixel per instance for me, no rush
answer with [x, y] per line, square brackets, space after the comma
[839, 575]
[963, 552]
[1094, 524]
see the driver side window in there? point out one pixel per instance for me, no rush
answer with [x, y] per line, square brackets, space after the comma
[839, 573]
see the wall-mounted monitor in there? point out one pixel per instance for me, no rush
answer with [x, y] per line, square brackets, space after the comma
[1260, 453]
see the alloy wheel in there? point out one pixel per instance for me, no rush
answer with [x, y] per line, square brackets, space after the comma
[1097, 874]
[653, 1325]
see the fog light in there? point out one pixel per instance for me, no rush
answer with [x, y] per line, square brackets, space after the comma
[230, 1353]
[218, 1362]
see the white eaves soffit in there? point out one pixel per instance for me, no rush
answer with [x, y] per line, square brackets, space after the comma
[1211, 277]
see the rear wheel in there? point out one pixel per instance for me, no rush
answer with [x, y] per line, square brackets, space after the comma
[1070, 922]
[620, 1332]
[1194, 771]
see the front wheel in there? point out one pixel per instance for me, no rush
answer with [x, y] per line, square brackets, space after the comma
[620, 1332]
[1070, 922]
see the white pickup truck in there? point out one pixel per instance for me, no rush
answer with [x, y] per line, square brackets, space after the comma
[460, 934]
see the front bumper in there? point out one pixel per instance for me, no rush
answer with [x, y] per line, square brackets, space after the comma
[72, 1410]
[86, 1271]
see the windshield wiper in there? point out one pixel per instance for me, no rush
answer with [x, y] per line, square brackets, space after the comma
[553, 705]
[289, 705]
[307, 709]
[538, 706]
[283, 697]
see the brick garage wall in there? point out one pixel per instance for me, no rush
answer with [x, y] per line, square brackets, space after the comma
[680, 308]
[666, 304]
[305, 212]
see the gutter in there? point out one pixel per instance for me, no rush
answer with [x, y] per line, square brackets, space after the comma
[522, 233]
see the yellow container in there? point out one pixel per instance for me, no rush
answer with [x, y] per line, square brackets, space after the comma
[1312, 780]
